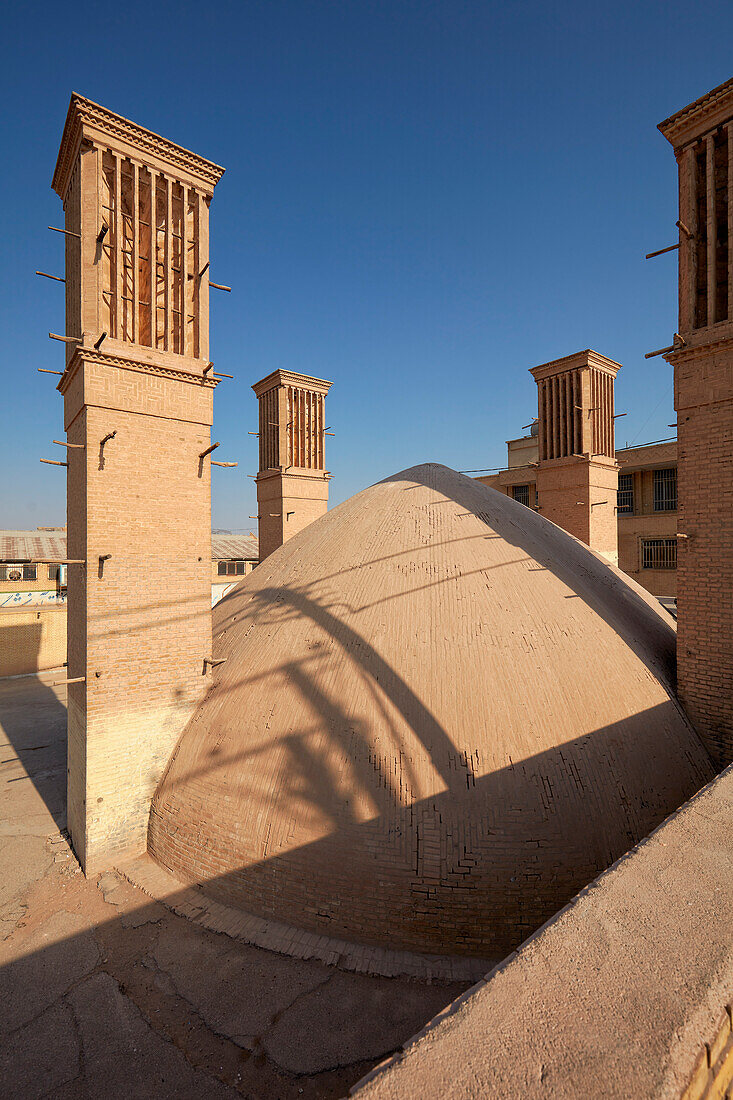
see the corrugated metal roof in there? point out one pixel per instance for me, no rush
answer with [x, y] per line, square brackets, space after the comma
[243, 547]
[50, 545]
[32, 545]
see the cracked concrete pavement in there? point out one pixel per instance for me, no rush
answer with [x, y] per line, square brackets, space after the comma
[107, 993]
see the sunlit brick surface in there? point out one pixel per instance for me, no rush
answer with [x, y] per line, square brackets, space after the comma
[439, 717]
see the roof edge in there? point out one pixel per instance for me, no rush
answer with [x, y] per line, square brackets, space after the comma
[291, 378]
[85, 112]
[709, 110]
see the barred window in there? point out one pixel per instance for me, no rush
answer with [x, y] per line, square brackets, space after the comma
[57, 573]
[11, 571]
[625, 493]
[231, 568]
[521, 494]
[659, 553]
[29, 572]
[665, 490]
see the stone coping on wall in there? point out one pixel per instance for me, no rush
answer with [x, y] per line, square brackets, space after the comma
[615, 996]
[190, 901]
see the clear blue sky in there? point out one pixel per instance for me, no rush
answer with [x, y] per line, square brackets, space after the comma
[422, 200]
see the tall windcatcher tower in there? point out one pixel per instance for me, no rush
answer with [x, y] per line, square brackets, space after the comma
[702, 357]
[292, 483]
[138, 400]
[577, 473]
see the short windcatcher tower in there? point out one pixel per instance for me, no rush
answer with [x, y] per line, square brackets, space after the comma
[577, 474]
[702, 137]
[292, 483]
[138, 398]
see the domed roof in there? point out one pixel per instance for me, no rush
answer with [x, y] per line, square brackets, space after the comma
[439, 717]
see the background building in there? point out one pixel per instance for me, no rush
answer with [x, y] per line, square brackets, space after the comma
[646, 505]
[33, 592]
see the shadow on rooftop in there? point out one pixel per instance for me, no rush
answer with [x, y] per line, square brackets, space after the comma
[37, 734]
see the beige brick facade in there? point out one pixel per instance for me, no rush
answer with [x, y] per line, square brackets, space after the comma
[702, 137]
[646, 527]
[647, 532]
[292, 482]
[31, 639]
[138, 402]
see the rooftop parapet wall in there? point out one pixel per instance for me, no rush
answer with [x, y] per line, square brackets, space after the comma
[615, 996]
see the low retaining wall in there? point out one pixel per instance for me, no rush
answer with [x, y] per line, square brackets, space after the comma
[31, 639]
[624, 993]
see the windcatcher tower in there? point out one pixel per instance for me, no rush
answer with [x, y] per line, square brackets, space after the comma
[577, 474]
[292, 483]
[138, 399]
[702, 137]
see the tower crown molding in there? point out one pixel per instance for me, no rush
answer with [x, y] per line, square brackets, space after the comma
[577, 361]
[291, 378]
[699, 117]
[88, 121]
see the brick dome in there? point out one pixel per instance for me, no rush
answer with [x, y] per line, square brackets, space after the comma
[440, 716]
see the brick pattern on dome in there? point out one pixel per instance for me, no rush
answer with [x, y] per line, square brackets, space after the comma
[371, 763]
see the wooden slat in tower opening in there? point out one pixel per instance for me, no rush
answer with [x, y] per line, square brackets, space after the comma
[144, 257]
[721, 224]
[168, 265]
[118, 236]
[183, 279]
[688, 248]
[578, 428]
[561, 415]
[128, 227]
[710, 224]
[556, 418]
[135, 272]
[729, 204]
[542, 415]
[701, 298]
[153, 253]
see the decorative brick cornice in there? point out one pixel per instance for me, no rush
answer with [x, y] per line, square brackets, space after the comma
[710, 346]
[291, 378]
[707, 112]
[579, 361]
[294, 473]
[89, 355]
[86, 119]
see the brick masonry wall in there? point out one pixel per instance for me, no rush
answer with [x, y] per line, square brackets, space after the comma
[704, 403]
[570, 492]
[32, 639]
[286, 503]
[139, 622]
[631, 530]
[712, 1077]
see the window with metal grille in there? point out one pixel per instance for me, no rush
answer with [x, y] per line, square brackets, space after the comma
[11, 571]
[625, 493]
[665, 490]
[29, 572]
[659, 553]
[231, 568]
[521, 494]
